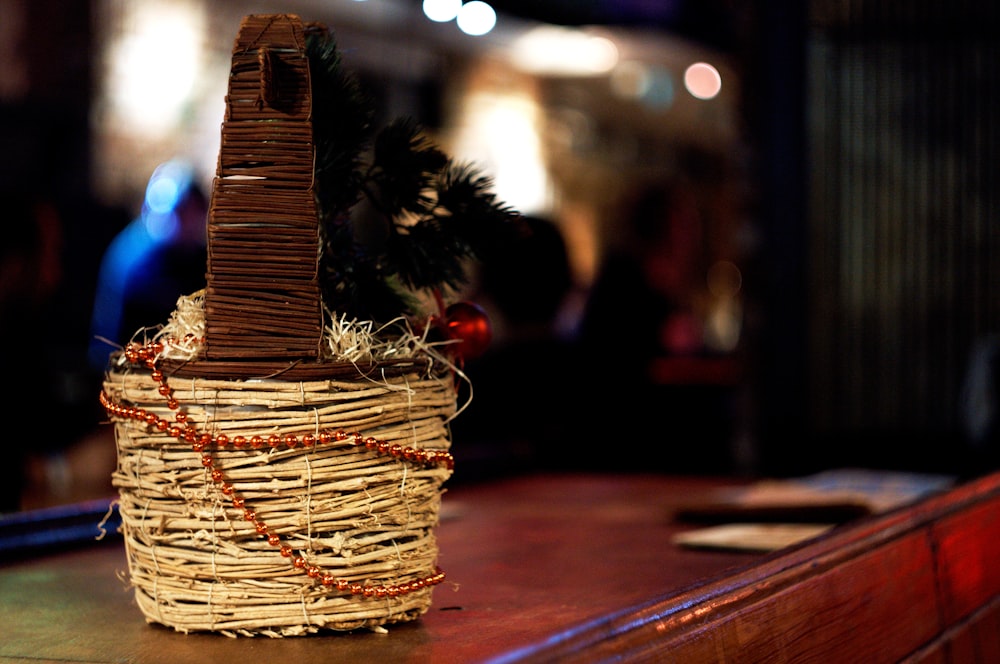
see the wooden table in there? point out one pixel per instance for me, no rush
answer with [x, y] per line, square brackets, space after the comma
[582, 568]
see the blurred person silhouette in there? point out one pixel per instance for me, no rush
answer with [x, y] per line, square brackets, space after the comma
[643, 290]
[30, 274]
[516, 420]
[643, 305]
[159, 256]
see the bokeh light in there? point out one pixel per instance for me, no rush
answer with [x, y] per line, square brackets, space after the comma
[442, 11]
[564, 51]
[476, 18]
[702, 80]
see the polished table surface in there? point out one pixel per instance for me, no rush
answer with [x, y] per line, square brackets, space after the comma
[584, 569]
[527, 559]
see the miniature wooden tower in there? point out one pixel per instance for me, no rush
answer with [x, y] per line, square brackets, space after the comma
[262, 299]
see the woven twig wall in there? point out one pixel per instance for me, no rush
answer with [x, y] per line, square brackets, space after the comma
[196, 562]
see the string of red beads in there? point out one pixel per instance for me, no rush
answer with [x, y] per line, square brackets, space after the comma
[183, 430]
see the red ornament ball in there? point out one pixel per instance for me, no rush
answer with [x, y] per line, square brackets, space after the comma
[470, 324]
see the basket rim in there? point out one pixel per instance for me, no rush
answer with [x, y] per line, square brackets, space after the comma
[293, 370]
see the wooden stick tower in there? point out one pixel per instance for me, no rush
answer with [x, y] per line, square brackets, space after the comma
[263, 296]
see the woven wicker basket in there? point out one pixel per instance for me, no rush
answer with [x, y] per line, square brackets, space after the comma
[263, 488]
[362, 517]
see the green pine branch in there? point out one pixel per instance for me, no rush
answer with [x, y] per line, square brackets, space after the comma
[427, 217]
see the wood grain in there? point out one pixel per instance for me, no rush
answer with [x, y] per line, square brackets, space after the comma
[581, 569]
[919, 583]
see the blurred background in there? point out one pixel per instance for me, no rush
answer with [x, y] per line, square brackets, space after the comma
[776, 241]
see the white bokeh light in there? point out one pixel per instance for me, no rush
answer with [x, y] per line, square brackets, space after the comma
[153, 67]
[476, 18]
[442, 11]
[500, 134]
[556, 50]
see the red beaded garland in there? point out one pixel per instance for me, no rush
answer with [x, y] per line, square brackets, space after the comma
[201, 441]
[147, 355]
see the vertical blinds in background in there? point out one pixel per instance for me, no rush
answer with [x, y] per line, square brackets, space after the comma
[904, 220]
